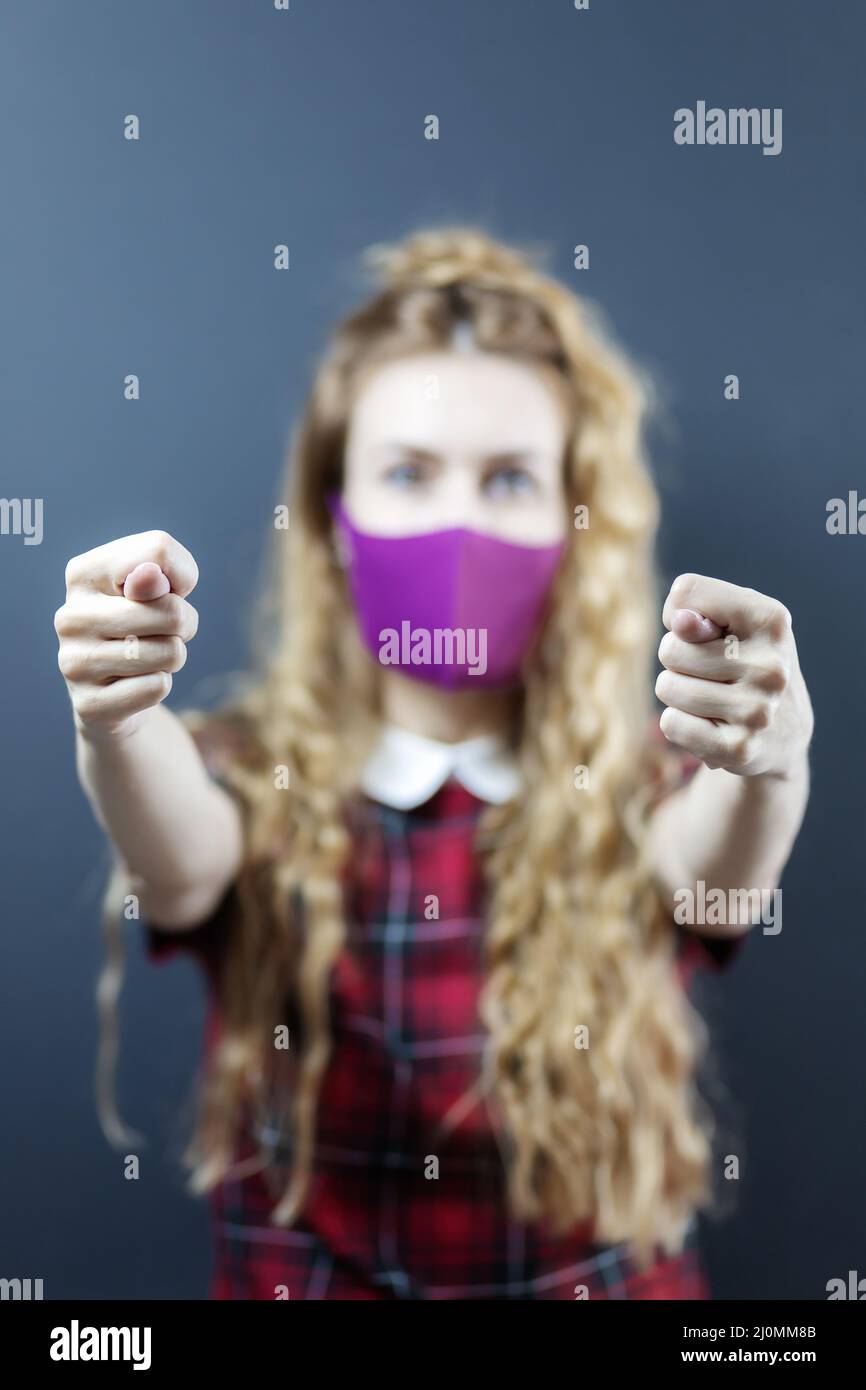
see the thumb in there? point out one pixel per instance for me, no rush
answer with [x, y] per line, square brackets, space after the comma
[694, 627]
[146, 582]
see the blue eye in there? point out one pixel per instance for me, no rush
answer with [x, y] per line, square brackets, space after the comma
[509, 480]
[404, 473]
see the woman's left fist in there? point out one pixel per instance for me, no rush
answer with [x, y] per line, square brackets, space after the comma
[732, 683]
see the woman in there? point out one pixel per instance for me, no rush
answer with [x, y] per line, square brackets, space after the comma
[432, 854]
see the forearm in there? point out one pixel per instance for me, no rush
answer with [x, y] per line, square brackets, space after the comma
[728, 831]
[174, 828]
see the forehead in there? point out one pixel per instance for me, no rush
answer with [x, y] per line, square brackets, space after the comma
[475, 401]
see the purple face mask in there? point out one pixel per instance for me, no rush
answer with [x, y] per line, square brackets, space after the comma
[456, 608]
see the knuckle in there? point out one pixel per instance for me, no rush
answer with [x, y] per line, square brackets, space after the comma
[666, 647]
[668, 722]
[160, 543]
[88, 703]
[759, 715]
[174, 613]
[68, 662]
[774, 677]
[72, 570]
[682, 585]
[744, 750]
[662, 684]
[778, 620]
[176, 654]
[61, 618]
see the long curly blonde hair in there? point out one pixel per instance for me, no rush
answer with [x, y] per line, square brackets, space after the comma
[615, 1133]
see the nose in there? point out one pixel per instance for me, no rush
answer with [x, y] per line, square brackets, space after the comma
[458, 501]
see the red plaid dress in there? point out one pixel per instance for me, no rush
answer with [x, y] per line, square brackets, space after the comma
[407, 1044]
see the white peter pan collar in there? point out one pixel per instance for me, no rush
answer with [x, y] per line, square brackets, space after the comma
[406, 769]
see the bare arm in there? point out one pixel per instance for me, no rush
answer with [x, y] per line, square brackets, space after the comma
[176, 830]
[737, 700]
[731, 832]
[123, 631]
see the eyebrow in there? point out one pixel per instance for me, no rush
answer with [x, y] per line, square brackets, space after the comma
[399, 445]
[525, 455]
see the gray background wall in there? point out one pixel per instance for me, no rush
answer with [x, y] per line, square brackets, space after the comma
[156, 258]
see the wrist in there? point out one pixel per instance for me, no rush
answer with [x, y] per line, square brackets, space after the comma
[795, 772]
[108, 735]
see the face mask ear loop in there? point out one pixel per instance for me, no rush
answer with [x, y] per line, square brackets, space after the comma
[339, 552]
[339, 547]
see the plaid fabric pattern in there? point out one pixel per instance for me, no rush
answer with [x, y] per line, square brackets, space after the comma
[399, 1209]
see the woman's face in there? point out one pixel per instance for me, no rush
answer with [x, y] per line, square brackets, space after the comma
[447, 439]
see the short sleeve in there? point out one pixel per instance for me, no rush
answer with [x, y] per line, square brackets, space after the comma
[697, 951]
[204, 942]
[672, 769]
[220, 741]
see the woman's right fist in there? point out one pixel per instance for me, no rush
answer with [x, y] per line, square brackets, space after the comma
[123, 629]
